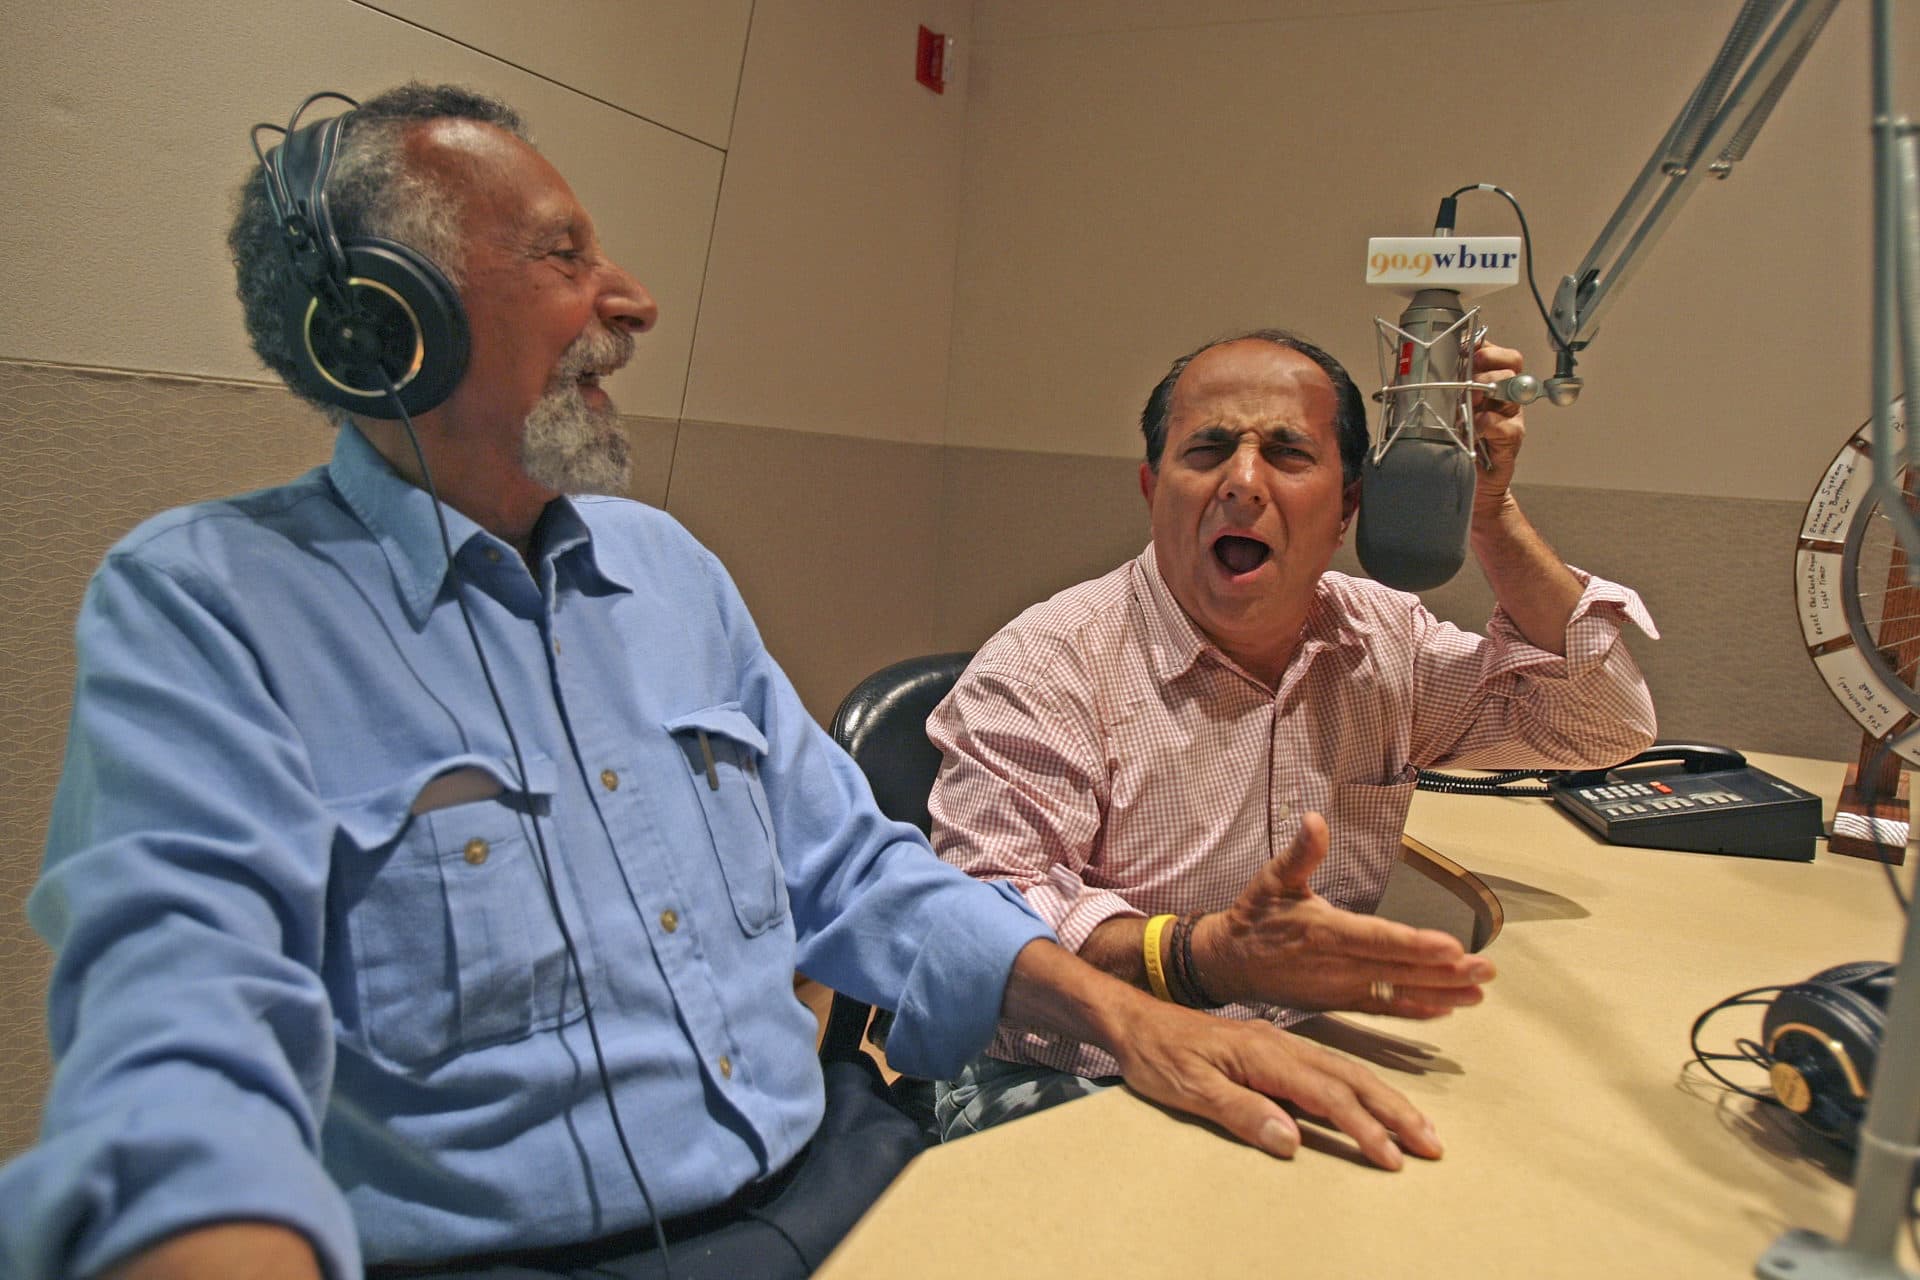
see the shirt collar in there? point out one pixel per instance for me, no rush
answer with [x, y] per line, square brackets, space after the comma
[1175, 643]
[563, 530]
[399, 515]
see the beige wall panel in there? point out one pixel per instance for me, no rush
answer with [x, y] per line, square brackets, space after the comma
[1730, 666]
[1131, 193]
[674, 63]
[653, 441]
[830, 538]
[996, 20]
[1019, 526]
[121, 174]
[829, 297]
[83, 458]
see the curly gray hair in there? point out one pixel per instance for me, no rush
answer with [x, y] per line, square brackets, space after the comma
[371, 191]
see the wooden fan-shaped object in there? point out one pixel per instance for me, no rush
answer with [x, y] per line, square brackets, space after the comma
[1861, 619]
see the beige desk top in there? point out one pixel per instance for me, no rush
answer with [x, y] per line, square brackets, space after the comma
[1578, 1141]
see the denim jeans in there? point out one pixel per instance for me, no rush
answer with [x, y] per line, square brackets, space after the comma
[988, 1092]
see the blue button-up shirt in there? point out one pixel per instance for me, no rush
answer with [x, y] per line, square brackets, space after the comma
[307, 967]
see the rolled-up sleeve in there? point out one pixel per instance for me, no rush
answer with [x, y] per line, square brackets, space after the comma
[183, 894]
[1499, 702]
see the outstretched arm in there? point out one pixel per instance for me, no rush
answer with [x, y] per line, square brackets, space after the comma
[1281, 943]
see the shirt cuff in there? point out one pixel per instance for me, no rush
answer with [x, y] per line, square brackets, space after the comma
[958, 981]
[1063, 900]
[1592, 631]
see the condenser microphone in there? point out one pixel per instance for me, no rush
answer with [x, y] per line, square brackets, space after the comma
[1417, 481]
[1416, 494]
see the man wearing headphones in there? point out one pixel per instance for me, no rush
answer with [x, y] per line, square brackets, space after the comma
[428, 878]
[1197, 768]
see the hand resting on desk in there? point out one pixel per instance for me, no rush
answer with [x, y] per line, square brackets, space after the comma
[1225, 1071]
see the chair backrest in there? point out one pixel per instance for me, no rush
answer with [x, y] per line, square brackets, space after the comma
[882, 724]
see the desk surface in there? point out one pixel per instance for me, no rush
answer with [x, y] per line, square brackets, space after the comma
[1579, 1141]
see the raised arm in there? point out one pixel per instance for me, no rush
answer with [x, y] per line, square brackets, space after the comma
[1528, 578]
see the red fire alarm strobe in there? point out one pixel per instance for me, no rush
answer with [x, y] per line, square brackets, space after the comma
[930, 63]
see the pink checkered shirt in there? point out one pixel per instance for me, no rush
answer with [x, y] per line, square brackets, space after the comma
[1105, 757]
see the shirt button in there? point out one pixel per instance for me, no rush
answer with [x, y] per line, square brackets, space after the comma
[609, 779]
[669, 919]
[493, 555]
[726, 1067]
[476, 851]
[556, 645]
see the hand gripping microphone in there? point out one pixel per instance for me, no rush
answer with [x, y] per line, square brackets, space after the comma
[1416, 490]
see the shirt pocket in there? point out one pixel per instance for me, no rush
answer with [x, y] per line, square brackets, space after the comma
[723, 750]
[1365, 821]
[453, 941]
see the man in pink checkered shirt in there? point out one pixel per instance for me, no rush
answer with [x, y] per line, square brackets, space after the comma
[1224, 732]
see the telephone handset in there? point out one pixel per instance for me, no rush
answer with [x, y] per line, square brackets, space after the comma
[1694, 797]
[1696, 757]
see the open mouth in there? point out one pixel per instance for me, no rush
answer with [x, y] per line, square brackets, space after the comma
[1238, 555]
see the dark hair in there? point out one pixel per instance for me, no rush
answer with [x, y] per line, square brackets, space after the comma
[371, 191]
[1350, 418]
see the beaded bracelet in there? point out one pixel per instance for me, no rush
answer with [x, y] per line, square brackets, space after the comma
[1189, 976]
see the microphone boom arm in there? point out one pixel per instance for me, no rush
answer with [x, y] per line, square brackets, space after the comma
[1712, 132]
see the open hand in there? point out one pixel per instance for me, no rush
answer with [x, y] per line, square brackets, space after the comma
[1284, 944]
[1231, 1072]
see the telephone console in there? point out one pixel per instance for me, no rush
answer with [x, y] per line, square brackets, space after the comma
[1701, 799]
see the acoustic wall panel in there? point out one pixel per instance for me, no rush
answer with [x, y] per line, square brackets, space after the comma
[122, 165]
[830, 293]
[667, 61]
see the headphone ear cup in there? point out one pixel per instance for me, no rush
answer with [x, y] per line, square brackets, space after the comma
[402, 316]
[1823, 1039]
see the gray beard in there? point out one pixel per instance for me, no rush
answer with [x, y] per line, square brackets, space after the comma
[571, 447]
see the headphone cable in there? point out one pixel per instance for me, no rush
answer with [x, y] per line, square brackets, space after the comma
[1749, 1051]
[546, 866]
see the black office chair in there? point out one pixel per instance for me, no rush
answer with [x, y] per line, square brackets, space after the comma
[882, 724]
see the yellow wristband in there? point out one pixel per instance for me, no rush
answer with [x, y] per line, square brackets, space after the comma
[1150, 950]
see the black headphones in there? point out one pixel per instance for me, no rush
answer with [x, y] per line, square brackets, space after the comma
[1821, 1038]
[1819, 1041]
[361, 315]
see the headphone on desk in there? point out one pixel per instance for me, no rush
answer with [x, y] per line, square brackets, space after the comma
[357, 308]
[1819, 1042]
[1822, 1038]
